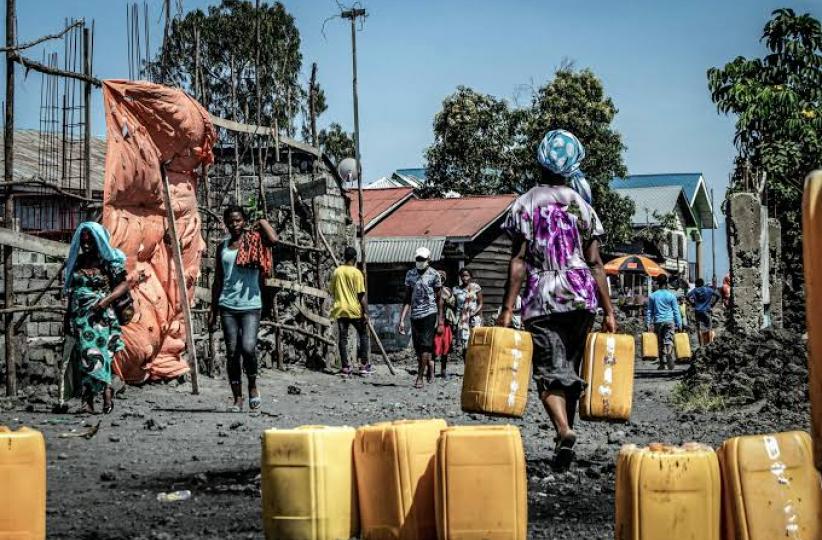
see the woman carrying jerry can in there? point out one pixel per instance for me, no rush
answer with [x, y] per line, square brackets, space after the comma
[555, 233]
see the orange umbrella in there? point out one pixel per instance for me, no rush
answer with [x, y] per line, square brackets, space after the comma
[634, 263]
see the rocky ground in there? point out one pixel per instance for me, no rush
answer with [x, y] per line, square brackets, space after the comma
[160, 438]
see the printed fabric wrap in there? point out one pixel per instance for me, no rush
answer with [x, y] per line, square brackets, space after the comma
[556, 224]
[253, 254]
[109, 254]
[561, 153]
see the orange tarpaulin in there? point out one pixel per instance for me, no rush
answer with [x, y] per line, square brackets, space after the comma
[149, 124]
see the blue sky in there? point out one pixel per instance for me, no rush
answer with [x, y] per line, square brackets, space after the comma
[652, 57]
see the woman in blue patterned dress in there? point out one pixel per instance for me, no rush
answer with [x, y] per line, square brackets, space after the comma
[556, 235]
[95, 278]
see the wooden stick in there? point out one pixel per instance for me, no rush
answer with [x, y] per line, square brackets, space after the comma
[41, 39]
[297, 329]
[24, 309]
[37, 66]
[181, 283]
[370, 324]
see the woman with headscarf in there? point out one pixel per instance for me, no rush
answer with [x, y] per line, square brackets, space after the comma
[555, 253]
[95, 279]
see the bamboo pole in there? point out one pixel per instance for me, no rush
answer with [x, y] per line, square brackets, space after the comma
[8, 161]
[181, 284]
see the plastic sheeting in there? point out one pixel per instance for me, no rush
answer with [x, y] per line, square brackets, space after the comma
[149, 124]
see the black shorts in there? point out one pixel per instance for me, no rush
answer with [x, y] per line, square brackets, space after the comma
[703, 319]
[559, 341]
[422, 333]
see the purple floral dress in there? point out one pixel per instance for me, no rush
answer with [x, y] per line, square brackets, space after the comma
[556, 223]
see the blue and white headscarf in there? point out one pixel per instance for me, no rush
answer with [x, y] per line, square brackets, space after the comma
[108, 253]
[561, 153]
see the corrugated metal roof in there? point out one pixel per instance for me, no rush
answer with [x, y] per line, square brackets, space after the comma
[662, 200]
[376, 203]
[401, 250]
[416, 172]
[27, 160]
[693, 184]
[455, 219]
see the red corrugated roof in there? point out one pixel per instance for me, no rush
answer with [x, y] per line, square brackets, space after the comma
[453, 218]
[376, 202]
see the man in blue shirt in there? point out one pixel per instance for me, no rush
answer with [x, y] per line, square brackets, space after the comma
[703, 299]
[662, 317]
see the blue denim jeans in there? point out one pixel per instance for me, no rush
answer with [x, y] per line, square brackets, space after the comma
[240, 330]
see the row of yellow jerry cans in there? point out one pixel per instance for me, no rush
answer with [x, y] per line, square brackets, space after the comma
[682, 346]
[498, 371]
[408, 480]
[760, 487]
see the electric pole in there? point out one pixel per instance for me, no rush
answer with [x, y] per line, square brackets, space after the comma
[713, 240]
[352, 14]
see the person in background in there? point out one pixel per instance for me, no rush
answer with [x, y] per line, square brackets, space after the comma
[350, 308]
[683, 312]
[662, 317]
[555, 235]
[423, 299]
[725, 291]
[703, 299]
[444, 341]
[469, 306]
[235, 296]
[95, 279]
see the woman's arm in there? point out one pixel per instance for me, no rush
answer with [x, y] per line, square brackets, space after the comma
[267, 232]
[479, 303]
[594, 260]
[516, 275]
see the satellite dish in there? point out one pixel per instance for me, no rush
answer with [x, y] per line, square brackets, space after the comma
[348, 169]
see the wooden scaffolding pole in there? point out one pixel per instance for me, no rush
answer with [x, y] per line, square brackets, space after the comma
[87, 110]
[181, 284]
[8, 215]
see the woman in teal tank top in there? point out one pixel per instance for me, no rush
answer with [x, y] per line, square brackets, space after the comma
[236, 297]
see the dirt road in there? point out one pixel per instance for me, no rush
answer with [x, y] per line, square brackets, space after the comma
[160, 438]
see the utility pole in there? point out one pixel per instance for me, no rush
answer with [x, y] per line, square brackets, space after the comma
[713, 240]
[312, 104]
[352, 15]
[8, 215]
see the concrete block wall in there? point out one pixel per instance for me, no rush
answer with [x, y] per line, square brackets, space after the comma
[745, 228]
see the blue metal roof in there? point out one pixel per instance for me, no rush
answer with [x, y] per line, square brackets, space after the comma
[688, 181]
[415, 172]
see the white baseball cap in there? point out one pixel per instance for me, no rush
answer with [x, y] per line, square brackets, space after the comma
[422, 253]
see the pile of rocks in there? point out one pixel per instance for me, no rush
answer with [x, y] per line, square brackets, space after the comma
[770, 366]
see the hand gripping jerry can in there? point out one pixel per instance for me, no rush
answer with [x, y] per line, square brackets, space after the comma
[770, 487]
[682, 346]
[308, 484]
[497, 371]
[394, 464]
[608, 370]
[650, 345]
[668, 493]
[481, 486]
[812, 264]
[22, 484]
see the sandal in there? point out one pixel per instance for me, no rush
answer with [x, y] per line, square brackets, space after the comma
[418, 383]
[108, 400]
[255, 402]
[564, 452]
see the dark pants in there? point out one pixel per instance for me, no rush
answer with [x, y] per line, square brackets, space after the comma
[422, 333]
[665, 339]
[559, 342]
[343, 324]
[240, 333]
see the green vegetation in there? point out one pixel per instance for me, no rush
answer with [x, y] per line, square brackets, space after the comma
[696, 399]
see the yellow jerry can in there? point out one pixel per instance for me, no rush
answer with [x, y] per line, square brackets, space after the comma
[650, 345]
[481, 485]
[22, 484]
[394, 464]
[682, 346]
[668, 492]
[812, 264]
[308, 484]
[608, 370]
[770, 487]
[497, 371]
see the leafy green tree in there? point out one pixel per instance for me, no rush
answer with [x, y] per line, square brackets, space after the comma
[483, 146]
[228, 52]
[336, 143]
[777, 100]
[474, 135]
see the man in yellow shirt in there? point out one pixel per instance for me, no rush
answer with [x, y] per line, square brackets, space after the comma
[351, 309]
